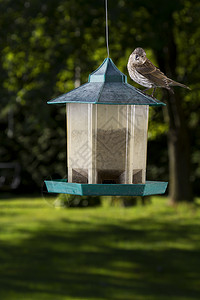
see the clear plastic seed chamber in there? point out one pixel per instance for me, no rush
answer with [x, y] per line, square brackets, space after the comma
[107, 144]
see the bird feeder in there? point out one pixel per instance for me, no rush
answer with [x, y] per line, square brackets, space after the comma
[107, 128]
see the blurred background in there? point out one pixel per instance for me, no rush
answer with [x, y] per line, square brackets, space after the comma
[113, 251]
[49, 47]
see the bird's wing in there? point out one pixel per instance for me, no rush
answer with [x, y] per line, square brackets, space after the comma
[152, 73]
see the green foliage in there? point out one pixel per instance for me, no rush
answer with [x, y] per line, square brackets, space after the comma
[99, 253]
[66, 200]
[43, 44]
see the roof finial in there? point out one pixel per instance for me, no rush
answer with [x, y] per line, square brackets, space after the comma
[107, 44]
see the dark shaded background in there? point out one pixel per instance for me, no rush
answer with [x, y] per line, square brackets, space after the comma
[49, 47]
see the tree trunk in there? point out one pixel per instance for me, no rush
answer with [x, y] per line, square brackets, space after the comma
[178, 138]
[179, 152]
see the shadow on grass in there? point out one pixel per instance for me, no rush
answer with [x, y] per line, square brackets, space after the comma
[126, 261]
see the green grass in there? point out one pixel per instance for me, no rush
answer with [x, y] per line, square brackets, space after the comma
[150, 252]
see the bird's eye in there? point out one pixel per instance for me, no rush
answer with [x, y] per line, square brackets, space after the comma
[136, 56]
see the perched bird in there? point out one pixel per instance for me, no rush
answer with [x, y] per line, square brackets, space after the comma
[142, 71]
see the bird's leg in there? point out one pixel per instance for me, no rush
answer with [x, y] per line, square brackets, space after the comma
[154, 89]
[146, 89]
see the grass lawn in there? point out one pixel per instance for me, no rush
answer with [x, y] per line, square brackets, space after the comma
[150, 252]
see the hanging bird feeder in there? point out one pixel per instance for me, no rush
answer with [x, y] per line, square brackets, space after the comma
[107, 127]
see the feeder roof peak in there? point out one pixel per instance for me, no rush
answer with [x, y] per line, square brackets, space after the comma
[107, 72]
[107, 85]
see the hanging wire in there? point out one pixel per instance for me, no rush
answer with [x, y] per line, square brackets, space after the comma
[107, 44]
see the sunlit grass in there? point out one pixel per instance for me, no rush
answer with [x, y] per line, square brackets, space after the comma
[143, 252]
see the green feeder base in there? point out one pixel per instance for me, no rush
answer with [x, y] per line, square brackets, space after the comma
[63, 187]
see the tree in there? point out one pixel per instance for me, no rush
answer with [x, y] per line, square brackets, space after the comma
[166, 29]
[41, 46]
[45, 45]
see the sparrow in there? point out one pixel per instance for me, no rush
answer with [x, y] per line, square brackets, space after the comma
[142, 71]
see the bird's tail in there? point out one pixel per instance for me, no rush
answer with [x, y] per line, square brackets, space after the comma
[175, 83]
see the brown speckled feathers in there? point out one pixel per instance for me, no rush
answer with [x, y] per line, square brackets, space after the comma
[142, 71]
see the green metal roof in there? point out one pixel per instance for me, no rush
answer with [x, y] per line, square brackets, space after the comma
[107, 85]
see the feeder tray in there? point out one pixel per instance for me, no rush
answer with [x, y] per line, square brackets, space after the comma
[64, 187]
